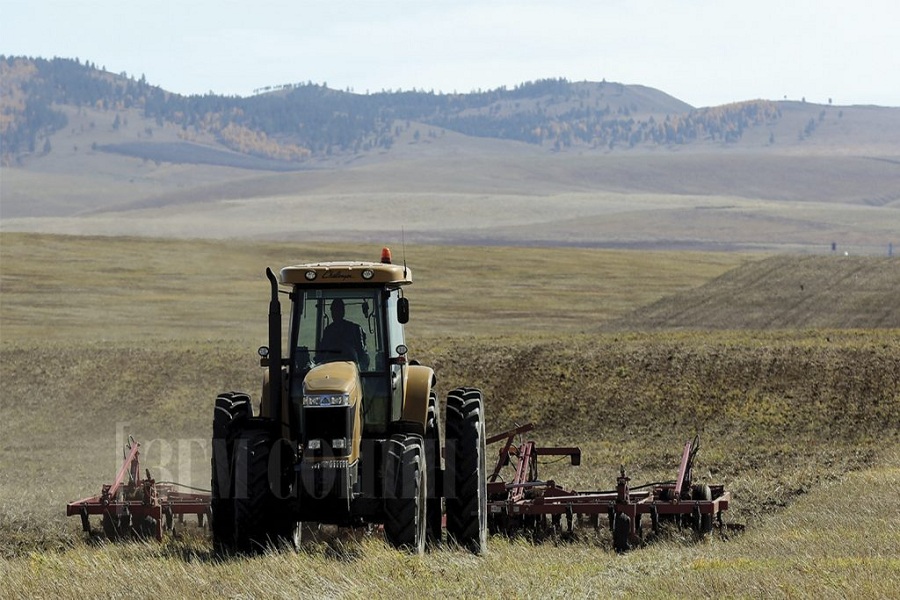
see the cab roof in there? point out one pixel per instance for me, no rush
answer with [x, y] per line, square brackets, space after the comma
[346, 273]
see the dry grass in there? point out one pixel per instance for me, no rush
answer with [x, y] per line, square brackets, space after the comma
[837, 542]
[107, 337]
[103, 289]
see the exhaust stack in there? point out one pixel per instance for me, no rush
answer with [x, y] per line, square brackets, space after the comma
[275, 382]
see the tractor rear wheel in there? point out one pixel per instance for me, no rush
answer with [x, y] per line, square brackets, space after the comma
[467, 502]
[434, 505]
[230, 409]
[261, 515]
[405, 487]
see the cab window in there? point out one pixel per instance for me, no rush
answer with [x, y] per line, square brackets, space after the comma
[340, 325]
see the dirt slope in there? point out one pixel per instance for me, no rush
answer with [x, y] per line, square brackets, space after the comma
[784, 292]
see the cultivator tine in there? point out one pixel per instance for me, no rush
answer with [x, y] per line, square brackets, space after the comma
[85, 521]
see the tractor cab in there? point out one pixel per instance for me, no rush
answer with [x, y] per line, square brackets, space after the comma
[348, 312]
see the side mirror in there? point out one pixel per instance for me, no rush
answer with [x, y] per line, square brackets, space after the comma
[403, 310]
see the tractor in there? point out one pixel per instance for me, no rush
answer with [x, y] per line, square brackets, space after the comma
[348, 430]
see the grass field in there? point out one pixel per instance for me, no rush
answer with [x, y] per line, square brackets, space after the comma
[104, 337]
[59, 288]
[807, 550]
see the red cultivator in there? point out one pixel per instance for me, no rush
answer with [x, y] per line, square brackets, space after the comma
[132, 505]
[525, 501]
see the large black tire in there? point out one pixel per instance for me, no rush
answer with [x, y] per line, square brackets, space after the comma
[405, 485]
[467, 501]
[230, 409]
[434, 505]
[261, 516]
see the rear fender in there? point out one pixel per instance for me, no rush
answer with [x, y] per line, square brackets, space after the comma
[419, 381]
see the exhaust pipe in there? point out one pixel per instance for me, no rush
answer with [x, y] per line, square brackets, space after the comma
[275, 383]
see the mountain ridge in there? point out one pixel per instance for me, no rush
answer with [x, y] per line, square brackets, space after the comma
[298, 123]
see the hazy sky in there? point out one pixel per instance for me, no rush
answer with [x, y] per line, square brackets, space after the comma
[704, 52]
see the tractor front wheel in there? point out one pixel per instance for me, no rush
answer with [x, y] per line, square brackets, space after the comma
[261, 515]
[405, 487]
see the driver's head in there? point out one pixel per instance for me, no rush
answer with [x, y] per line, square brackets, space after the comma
[337, 309]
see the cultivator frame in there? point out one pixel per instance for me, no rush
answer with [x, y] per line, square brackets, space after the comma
[141, 506]
[136, 505]
[526, 501]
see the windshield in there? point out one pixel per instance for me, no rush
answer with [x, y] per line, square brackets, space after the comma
[341, 324]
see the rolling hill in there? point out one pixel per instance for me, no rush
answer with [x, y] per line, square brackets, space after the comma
[549, 162]
[783, 293]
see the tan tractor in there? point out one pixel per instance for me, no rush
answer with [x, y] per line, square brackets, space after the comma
[348, 427]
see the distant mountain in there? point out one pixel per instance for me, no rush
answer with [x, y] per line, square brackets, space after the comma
[287, 126]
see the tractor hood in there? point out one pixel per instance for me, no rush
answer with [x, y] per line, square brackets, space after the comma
[332, 378]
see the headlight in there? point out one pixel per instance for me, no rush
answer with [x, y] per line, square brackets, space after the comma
[314, 444]
[339, 443]
[326, 400]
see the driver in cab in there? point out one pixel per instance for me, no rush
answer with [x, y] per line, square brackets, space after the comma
[343, 339]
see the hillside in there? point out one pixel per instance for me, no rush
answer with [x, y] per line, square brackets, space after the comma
[295, 126]
[92, 153]
[295, 123]
[783, 293]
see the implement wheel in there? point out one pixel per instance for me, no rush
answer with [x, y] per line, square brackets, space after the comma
[467, 501]
[621, 533]
[406, 484]
[116, 526]
[704, 524]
